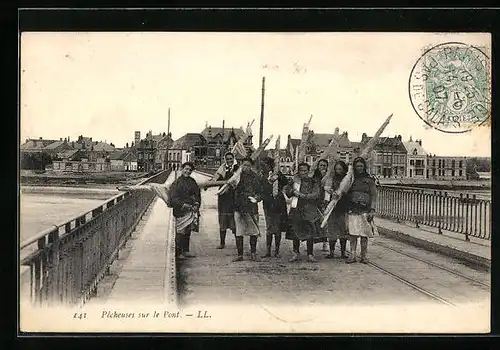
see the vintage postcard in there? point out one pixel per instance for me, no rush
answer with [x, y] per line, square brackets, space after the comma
[255, 182]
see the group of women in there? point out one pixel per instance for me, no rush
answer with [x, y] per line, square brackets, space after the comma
[295, 208]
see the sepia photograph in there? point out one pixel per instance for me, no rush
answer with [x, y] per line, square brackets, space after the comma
[218, 182]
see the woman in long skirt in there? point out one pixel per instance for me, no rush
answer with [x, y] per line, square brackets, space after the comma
[275, 209]
[185, 197]
[319, 174]
[248, 193]
[225, 202]
[337, 222]
[361, 199]
[304, 215]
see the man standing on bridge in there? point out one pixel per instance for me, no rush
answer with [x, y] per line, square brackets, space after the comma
[225, 201]
[185, 198]
[248, 193]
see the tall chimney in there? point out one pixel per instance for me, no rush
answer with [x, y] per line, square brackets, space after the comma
[261, 129]
[223, 129]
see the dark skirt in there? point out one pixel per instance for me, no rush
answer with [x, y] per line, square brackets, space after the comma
[337, 225]
[226, 222]
[276, 223]
[303, 230]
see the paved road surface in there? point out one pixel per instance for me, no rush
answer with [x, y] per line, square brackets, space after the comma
[211, 277]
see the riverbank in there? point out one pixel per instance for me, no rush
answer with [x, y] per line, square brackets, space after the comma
[70, 179]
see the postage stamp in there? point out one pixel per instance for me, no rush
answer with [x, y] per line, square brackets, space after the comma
[450, 87]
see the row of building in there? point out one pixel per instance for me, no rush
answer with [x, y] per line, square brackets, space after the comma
[391, 158]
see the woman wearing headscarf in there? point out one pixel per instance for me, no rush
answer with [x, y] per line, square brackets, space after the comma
[337, 223]
[361, 200]
[185, 198]
[225, 201]
[304, 213]
[319, 174]
[275, 209]
[247, 194]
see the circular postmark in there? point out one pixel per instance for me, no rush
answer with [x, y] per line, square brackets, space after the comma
[450, 88]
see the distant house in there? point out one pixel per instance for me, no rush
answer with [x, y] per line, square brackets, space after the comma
[292, 146]
[148, 158]
[318, 143]
[416, 167]
[103, 147]
[58, 146]
[220, 140]
[285, 160]
[446, 168]
[123, 161]
[388, 158]
[35, 145]
[190, 147]
[162, 145]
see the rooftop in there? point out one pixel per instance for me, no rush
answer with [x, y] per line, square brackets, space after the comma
[187, 141]
[210, 132]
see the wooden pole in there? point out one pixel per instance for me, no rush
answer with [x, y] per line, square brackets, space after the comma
[168, 128]
[261, 129]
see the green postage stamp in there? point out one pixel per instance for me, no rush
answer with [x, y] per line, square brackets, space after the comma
[450, 87]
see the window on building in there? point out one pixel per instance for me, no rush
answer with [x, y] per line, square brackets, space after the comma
[433, 172]
[412, 162]
[460, 164]
[460, 173]
[453, 172]
[453, 163]
[287, 159]
[433, 162]
[419, 172]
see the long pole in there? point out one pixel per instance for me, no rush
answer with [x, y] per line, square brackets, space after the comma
[168, 127]
[261, 129]
[165, 162]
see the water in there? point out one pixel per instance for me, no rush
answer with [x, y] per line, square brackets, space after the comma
[43, 208]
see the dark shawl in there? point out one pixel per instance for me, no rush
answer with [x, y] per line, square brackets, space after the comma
[184, 190]
[361, 194]
[225, 202]
[250, 184]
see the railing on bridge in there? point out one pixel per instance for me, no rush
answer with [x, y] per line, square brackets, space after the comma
[463, 214]
[71, 258]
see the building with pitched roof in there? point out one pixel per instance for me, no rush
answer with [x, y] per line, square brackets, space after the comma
[318, 143]
[388, 158]
[35, 145]
[220, 140]
[285, 160]
[162, 145]
[124, 160]
[189, 148]
[416, 166]
[58, 146]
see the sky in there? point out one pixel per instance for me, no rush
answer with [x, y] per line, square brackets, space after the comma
[107, 85]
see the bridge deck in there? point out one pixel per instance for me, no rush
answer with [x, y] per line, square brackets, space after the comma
[143, 275]
[212, 278]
